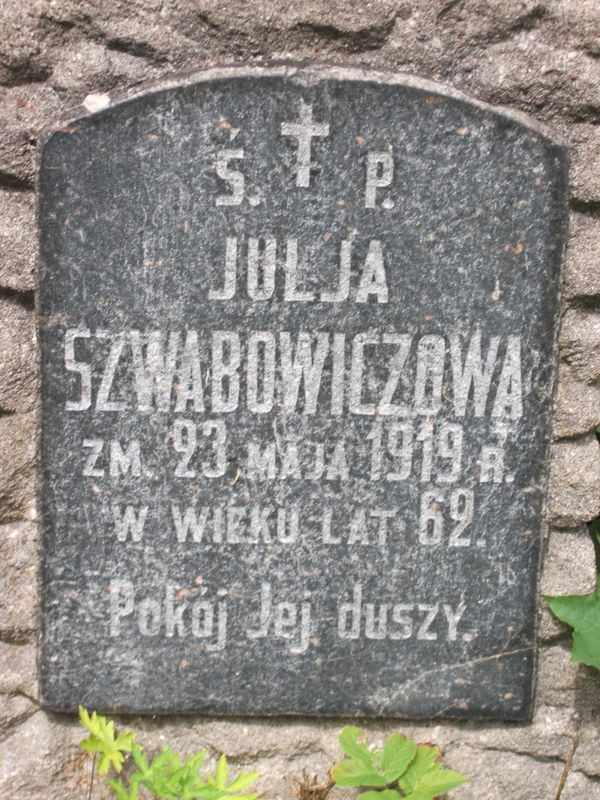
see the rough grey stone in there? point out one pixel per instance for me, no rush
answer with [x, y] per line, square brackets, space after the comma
[18, 598]
[569, 563]
[24, 112]
[579, 23]
[18, 674]
[347, 24]
[580, 343]
[92, 67]
[494, 22]
[17, 357]
[40, 759]
[501, 775]
[17, 468]
[447, 42]
[574, 490]
[527, 66]
[557, 675]
[582, 277]
[549, 736]
[14, 710]
[186, 31]
[586, 757]
[386, 205]
[17, 241]
[22, 59]
[577, 405]
[569, 567]
[584, 151]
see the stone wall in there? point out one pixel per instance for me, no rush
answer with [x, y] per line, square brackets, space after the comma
[539, 57]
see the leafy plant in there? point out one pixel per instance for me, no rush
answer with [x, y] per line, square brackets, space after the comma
[165, 776]
[582, 613]
[102, 740]
[401, 769]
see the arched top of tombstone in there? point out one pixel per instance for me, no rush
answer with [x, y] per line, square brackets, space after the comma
[305, 75]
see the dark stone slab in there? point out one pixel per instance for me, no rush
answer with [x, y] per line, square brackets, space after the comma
[297, 331]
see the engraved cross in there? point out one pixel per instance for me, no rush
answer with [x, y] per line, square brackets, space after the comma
[304, 131]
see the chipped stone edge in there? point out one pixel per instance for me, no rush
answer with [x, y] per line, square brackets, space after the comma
[307, 74]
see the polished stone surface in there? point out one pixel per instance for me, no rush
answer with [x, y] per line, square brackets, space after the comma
[297, 332]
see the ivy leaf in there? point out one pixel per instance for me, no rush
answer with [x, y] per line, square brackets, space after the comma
[102, 740]
[398, 752]
[582, 613]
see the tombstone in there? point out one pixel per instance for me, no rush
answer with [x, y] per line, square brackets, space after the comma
[297, 336]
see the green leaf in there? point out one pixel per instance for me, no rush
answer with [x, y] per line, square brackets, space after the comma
[594, 531]
[139, 758]
[358, 751]
[243, 781]
[193, 764]
[582, 613]
[222, 773]
[351, 773]
[121, 791]
[417, 795]
[361, 768]
[218, 786]
[251, 796]
[211, 793]
[166, 760]
[165, 776]
[384, 794]
[423, 761]
[102, 741]
[425, 779]
[439, 780]
[398, 752]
